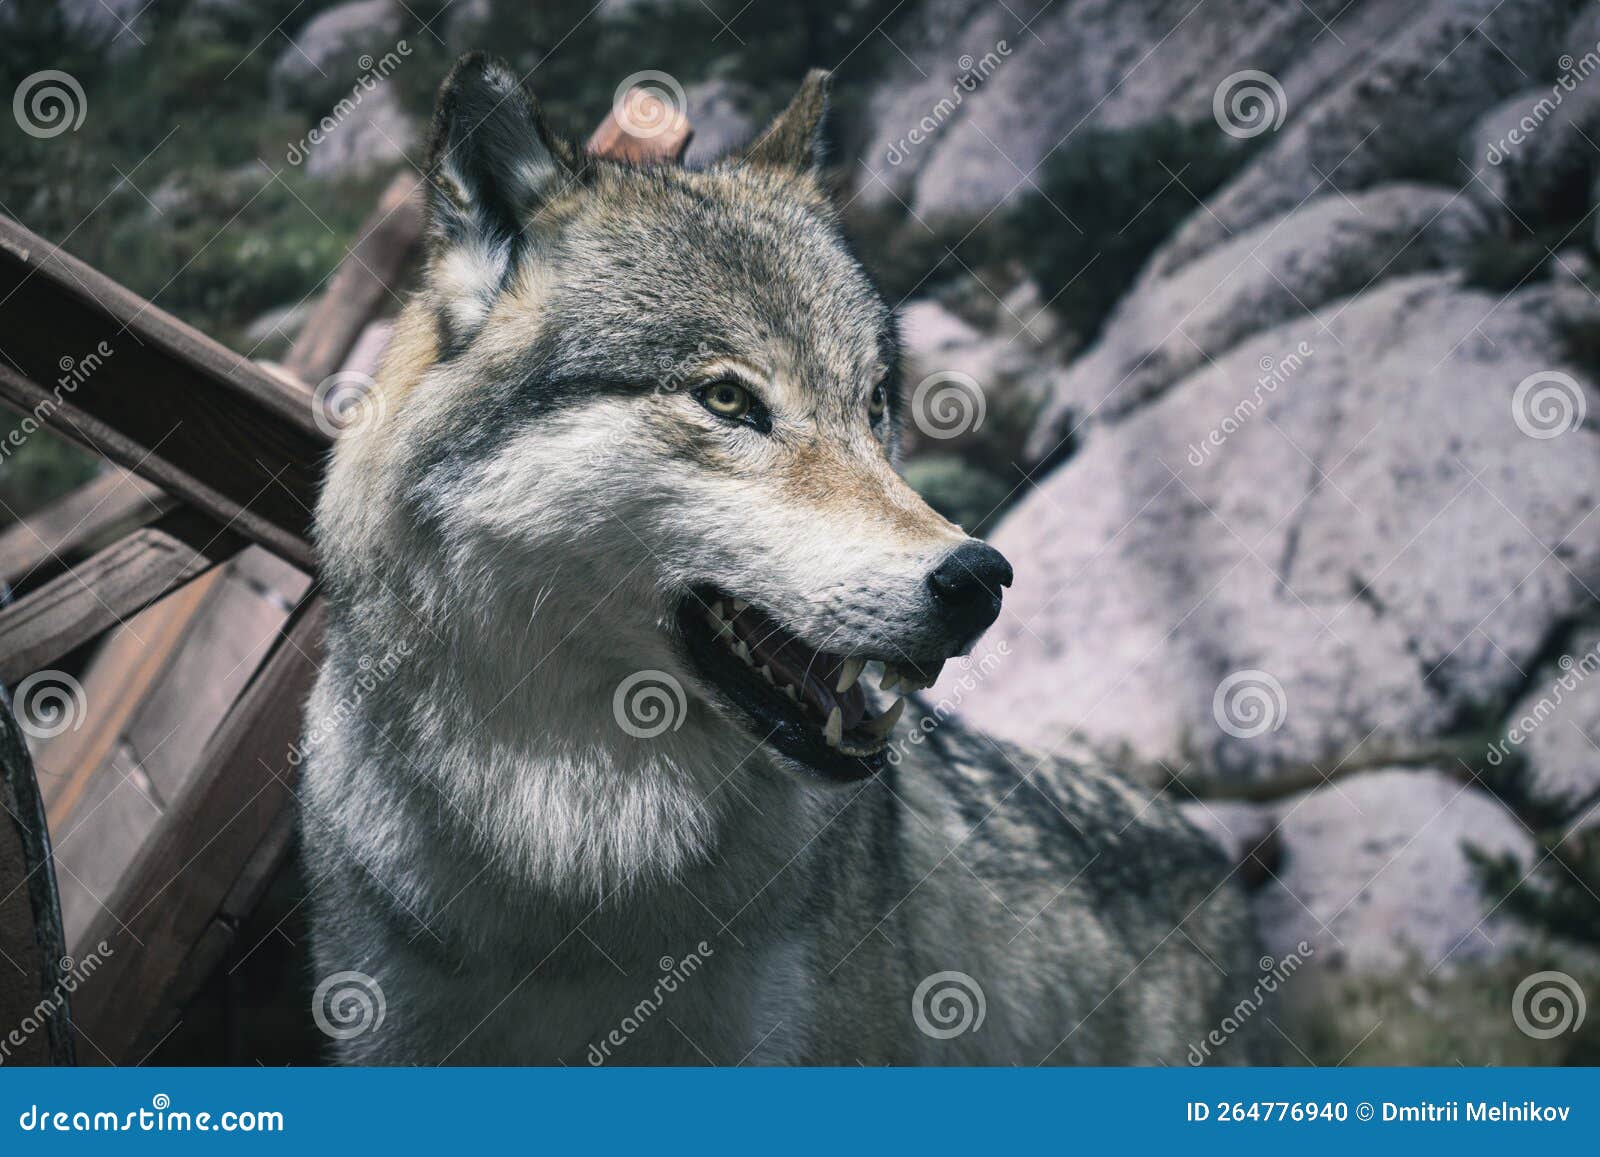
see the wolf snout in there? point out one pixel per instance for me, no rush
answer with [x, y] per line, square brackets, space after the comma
[966, 587]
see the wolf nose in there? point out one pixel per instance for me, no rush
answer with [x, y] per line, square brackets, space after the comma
[966, 587]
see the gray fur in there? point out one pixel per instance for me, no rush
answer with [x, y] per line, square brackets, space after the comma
[504, 546]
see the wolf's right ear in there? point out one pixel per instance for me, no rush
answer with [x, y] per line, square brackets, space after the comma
[491, 160]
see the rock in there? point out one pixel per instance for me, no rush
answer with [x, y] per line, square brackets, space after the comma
[1328, 248]
[1442, 66]
[977, 102]
[365, 131]
[333, 50]
[1535, 148]
[1375, 877]
[1555, 725]
[715, 110]
[1361, 556]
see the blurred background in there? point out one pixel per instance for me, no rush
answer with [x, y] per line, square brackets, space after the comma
[1261, 335]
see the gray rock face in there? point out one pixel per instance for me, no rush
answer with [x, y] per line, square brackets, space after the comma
[1327, 248]
[365, 131]
[325, 58]
[1555, 725]
[1375, 876]
[1365, 548]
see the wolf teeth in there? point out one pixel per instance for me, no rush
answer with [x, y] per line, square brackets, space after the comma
[741, 650]
[766, 673]
[884, 723]
[891, 676]
[739, 606]
[848, 674]
[834, 731]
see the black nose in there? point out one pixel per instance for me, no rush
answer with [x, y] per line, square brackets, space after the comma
[966, 587]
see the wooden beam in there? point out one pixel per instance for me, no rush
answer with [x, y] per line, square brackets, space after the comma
[117, 582]
[35, 548]
[108, 369]
[170, 898]
[362, 285]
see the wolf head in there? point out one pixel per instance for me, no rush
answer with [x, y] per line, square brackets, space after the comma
[654, 410]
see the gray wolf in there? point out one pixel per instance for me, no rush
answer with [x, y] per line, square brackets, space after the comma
[636, 436]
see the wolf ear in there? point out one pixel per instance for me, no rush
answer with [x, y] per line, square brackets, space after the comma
[794, 139]
[491, 160]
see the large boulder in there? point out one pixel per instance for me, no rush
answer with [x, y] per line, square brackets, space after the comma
[334, 49]
[1244, 588]
[1327, 248]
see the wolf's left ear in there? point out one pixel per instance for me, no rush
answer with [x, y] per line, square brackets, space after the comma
[794, 139]
[491, 160]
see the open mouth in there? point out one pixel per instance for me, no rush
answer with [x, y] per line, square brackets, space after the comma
[810, 704]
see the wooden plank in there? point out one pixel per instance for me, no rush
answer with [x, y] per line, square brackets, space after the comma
[156, 396]
[76, 522]
[112, 585]
[170, 898]
[153, 703]
[669, 132]
[364, 282]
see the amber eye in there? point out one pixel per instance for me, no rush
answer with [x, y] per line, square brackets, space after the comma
[878, 404]
[726, 400]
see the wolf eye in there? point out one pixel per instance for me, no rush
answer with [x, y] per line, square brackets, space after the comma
[726, 400]
[878, 403]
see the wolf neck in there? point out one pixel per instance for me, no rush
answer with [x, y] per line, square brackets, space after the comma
[515, 724]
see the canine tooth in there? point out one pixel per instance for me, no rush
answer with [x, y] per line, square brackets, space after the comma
[884, 723]
[834, 731]
[790, 691]
[741, 650]
[848, 674]
[766, 673]
[891, 677]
